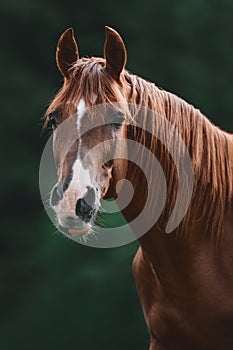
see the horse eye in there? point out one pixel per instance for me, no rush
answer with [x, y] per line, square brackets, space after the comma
[53, 119]
[118, 119]
[108, 164]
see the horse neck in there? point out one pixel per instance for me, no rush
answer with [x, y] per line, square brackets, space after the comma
[174, 253]
[211, 151]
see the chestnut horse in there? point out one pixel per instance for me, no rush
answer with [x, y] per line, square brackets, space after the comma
[184, 279]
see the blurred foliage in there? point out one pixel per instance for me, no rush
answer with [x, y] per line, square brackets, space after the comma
[54, 292]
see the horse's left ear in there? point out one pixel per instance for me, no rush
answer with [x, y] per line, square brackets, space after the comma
[114, 53]
[67, 52]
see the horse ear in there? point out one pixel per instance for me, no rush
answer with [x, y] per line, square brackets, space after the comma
[67, 52]
[114, 53]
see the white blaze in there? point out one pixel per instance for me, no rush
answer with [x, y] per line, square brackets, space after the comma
[81, 109]
[81, 176]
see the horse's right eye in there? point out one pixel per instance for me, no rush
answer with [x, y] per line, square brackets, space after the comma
[53, 119]
[108, 164]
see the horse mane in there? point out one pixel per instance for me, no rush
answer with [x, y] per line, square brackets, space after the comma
[210, 148]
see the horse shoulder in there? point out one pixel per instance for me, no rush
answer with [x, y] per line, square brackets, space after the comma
[148, 290]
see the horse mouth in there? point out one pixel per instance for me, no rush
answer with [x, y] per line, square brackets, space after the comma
[75, 231]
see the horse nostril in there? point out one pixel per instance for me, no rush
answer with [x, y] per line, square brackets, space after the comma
[83, 210]
[55, 197]
[85, 205]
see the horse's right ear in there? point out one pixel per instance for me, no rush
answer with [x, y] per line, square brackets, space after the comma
[67, 52]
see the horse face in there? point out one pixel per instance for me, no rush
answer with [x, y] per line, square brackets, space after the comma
[88, 167]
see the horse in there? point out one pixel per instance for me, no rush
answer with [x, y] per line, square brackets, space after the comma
[184, 279]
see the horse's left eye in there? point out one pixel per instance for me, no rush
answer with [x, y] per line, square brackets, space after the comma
[118, 120]
[53, 119]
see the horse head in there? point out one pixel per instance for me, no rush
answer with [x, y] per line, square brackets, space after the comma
[88, 124]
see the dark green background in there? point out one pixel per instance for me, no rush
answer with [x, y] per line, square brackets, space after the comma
[56, 294]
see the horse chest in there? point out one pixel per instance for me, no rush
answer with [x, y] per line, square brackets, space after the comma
[195, 320]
